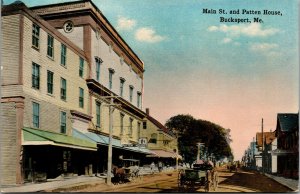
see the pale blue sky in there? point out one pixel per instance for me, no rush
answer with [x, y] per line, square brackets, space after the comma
[231, 74]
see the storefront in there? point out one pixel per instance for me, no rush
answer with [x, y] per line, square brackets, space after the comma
[167, 158]
[119, 151]
[47, 155]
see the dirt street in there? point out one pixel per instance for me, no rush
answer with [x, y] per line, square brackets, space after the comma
[240, 181]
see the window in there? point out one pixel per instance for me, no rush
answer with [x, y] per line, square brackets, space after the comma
[130, 93]
[111, 72]
[81, 97]
[130, 127]
[122, 81]
[138, 103]
[35, 76]
[35, 35]
[63, 89]
[98, 109]
[81, 67]
[63, 122]
[49, 82]
[68, 27]
[35, 115]
[121, 123]
[144, 124]
[98, 63]
[139, 129]
[63, 55]
[50, 46]
[153, 138]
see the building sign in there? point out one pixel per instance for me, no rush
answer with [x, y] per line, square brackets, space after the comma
[142, 143]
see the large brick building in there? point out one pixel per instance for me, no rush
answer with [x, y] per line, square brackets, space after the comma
[62, 64]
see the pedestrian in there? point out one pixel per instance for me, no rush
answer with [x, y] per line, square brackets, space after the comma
[152, 166]
[160, 165]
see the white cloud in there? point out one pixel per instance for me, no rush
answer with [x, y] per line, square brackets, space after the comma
[148, 35]
[125, 23]
[226, 40]
[263, 47]
[250, 30]
[212, 28]
[267, 49]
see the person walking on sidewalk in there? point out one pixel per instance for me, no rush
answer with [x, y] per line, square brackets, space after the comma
[160, 166]
[152, 166]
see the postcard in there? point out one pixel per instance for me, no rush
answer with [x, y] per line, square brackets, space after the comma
[149, 96]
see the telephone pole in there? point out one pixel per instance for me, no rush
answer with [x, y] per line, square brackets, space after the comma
[262, 150]
[111, 106]
[199, 146]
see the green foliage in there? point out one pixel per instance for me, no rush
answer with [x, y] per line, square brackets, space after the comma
[191, 131]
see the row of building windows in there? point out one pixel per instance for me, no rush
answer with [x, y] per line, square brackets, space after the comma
[50, 48]
[122, 82]
[36, 118]
[50, 84]
[63, 58]
[122, 127]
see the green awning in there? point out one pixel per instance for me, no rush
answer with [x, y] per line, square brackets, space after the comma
[42, 137]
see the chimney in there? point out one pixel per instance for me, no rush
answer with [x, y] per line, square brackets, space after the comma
[147, 111]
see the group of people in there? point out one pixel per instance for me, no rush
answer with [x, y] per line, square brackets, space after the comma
[159, 165]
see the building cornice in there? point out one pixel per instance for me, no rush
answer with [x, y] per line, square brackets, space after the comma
[87, 7]
[24, 10]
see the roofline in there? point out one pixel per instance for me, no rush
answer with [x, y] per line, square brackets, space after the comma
[22, 9]
[162, 127]
[102, 15]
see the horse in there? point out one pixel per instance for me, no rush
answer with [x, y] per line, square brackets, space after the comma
[119, 174]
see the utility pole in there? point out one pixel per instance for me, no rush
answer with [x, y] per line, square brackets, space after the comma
[111, 106]
[109, 160]
[177, 157]
[262, 138]
[198, 154]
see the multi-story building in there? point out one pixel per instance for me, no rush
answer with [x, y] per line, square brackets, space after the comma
[264, 144]
[62, 66]
[161, 141]
[287, 152]
[250, 156]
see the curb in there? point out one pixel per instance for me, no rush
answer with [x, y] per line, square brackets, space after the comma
[282, 183]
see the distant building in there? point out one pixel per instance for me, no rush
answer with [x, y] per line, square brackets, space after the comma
[161, 141]
[287, 133]
[266, 141]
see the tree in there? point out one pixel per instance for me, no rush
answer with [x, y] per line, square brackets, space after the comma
[191, 131]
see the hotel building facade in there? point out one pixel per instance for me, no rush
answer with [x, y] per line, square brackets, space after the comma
[61, 65]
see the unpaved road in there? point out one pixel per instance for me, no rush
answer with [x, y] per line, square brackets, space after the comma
[240, 181]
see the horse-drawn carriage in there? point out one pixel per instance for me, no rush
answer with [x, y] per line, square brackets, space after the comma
[232, 166]
[128, 170]
[202, 174]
